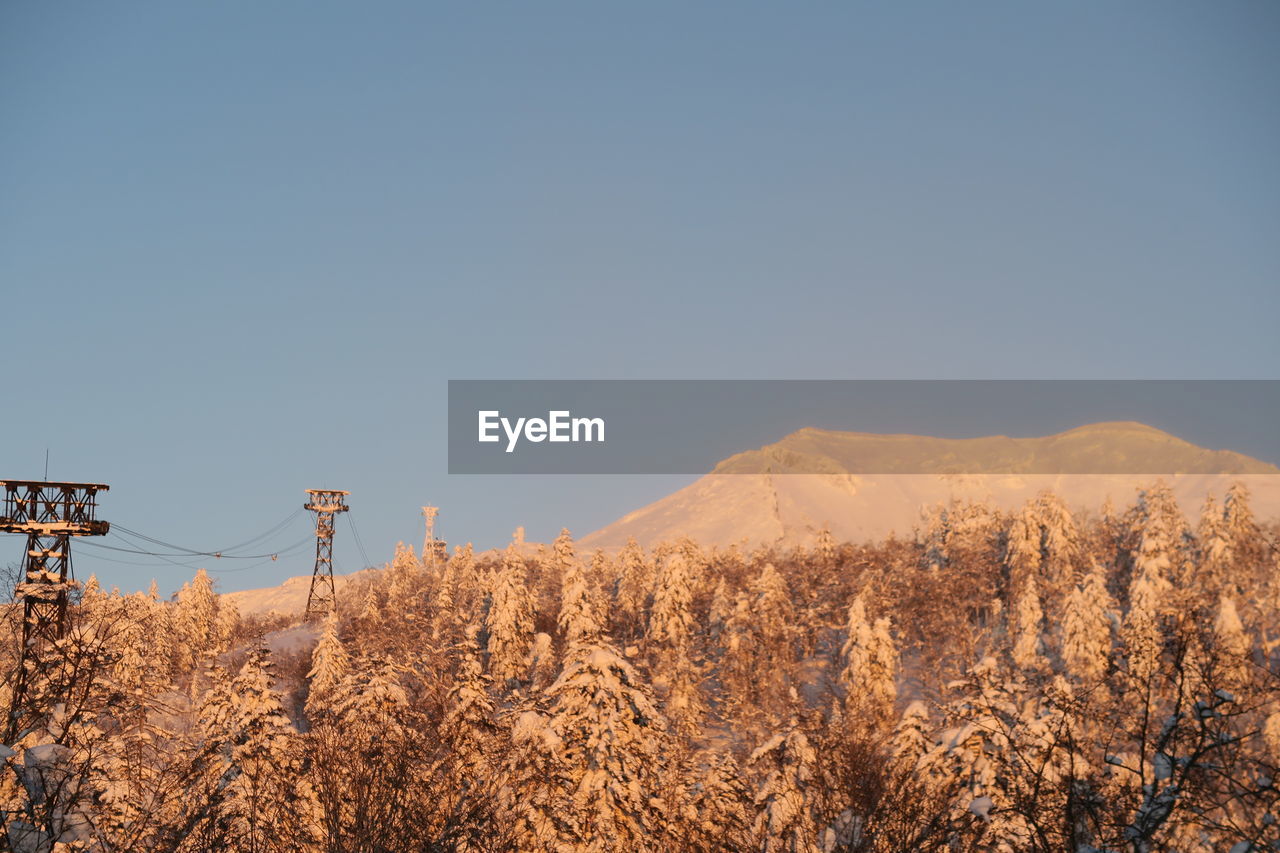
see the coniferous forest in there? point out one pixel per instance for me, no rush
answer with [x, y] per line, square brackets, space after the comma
[1038, 680]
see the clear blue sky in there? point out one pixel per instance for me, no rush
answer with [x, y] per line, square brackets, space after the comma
[244, 245]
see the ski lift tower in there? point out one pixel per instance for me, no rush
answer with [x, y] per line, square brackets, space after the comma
[434, 551]
[325, 503]
[49, 514]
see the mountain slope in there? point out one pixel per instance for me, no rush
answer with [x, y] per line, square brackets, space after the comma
[289, 597]
[785, 492]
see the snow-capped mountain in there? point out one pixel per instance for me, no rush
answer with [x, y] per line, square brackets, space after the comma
[787, 491]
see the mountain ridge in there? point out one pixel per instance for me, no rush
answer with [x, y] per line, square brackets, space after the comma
[1109, 447]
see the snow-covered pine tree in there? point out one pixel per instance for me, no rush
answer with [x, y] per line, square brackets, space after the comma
[695, 559]
[405, 575]
[869, 675]
[91, 595]
[737, 657]
[1060, 550]
[1022, 550]
[631, 595]
[554, 565]
[472, 758]
[1027, 617]
[468, 726]
[138, 768]
[371, 699]
[227, 623]
[579, 619]
[601, 580]
[1161, 531]
[785, 822]
[1086, 630]
[446, 606]
[775, 621]
[196, 620]
[933, 537]
[544, 663]
[685, 706]
[857, 646]
[714, 817]
[1141, 632]
[258, 765]
[563, 552]
[911, 738]
[671, 618]
[612, 741]
[330, 664]
[1242, 529]
[509, 622]
[534, 795]
[883, 682]
[379, 735]
[470, 589]
[1250, 562]
[1214, 550]
[371, 608]
[1231, 645]
[722, 604]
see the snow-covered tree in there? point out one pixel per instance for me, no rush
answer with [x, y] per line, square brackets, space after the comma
[405, 574]
[1154, 730]
[1248, 549]
[1242, 529]
[258, 766]
[462, 595]
[714, 814]
[1161, 532]
[1086, 630]
[934, 536]
[1059, 547]
[631, 592]
[1022, 548]
[775, 617]
[543, 662]
[785, 822]
[1142, 635]
[685, 705]
[1214, 557]
[671, 619]
[611, 739]
[469, 725]
[869, 675]
[579, 618]
[1231, 644]
[1027, 616]
[330, 664]
[911, 738]
[196, 620]
[509, 621]
[722, 604]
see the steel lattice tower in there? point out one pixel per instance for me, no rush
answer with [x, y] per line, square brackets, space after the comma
[434, 551]
[325, 503]
[49, 514]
